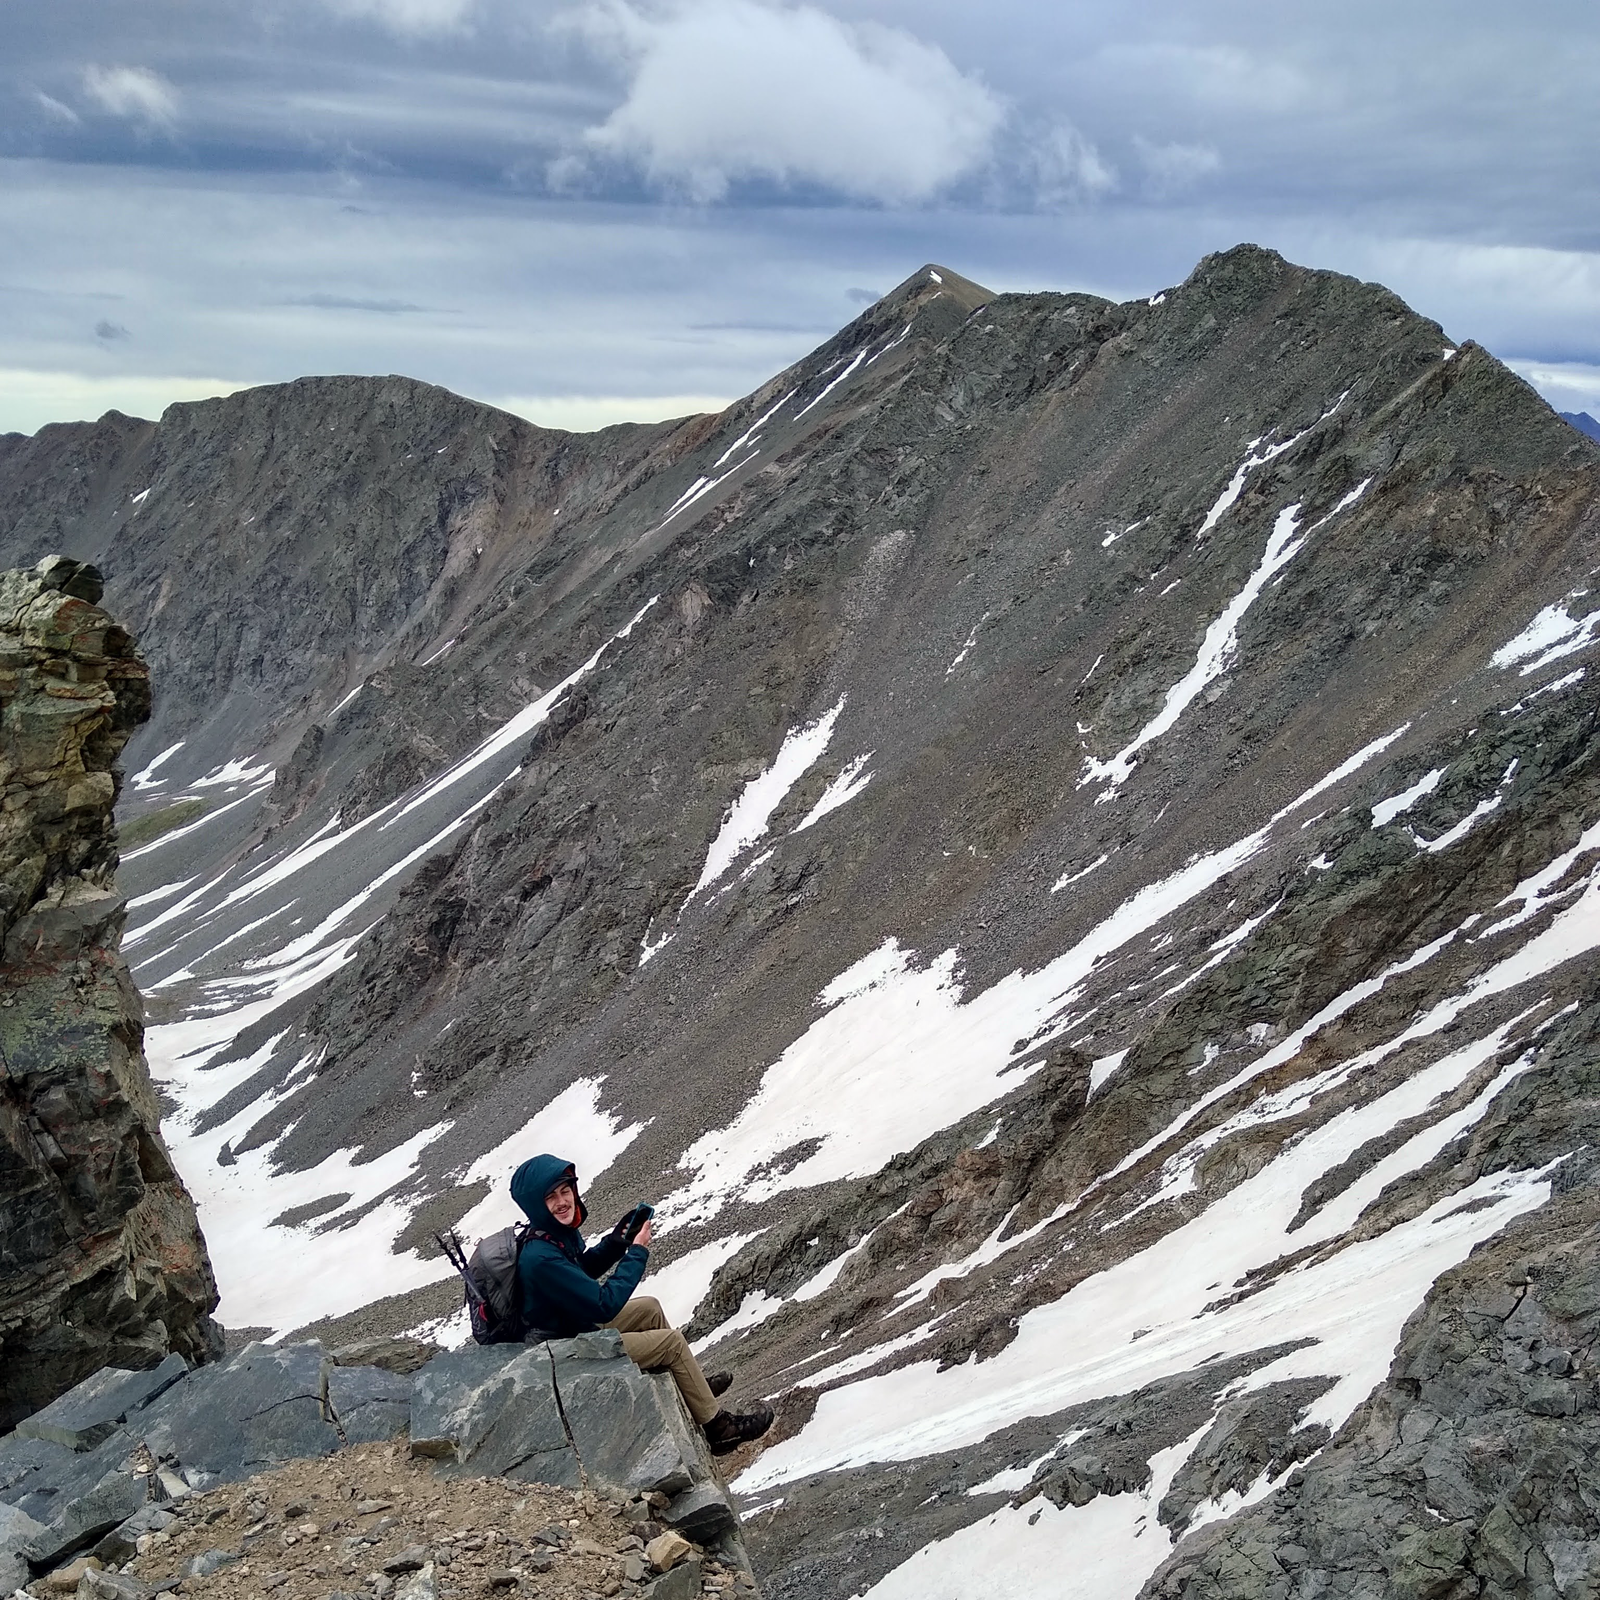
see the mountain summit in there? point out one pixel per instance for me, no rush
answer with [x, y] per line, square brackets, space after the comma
[1054, 841]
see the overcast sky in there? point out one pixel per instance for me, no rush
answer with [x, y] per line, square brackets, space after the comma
[591, 210]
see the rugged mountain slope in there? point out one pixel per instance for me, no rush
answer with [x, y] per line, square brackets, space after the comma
[101, 1259]
[1057, 836]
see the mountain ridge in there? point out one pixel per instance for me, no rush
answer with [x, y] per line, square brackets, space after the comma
[924, 826]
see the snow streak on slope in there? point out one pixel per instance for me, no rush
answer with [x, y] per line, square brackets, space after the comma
[1552, 634]
[748, 816]
[1102, 1551]
[1167, 1308]
[1152, 1315]
[850, 782]
[1221, 642]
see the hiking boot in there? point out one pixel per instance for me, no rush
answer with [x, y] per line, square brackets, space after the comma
[719, 1382]
[729, 1429]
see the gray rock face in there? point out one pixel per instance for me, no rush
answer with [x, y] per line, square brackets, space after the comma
[101, 1259]
[1474, 1470]
[493, 1409]
[628, 1427]
[368, 1403]
[265, 1405]
[18, 1532]
[1255, 1436]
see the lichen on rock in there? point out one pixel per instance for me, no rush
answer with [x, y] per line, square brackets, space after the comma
[101, 1257]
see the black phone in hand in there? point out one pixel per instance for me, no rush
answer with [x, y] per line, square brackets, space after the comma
[628, 1228]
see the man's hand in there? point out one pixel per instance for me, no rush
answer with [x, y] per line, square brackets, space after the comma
[643, 1236]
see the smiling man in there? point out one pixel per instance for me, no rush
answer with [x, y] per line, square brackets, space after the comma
[568, 1287]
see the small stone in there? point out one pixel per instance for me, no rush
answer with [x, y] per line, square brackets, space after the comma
[65, 1579]
[504, 1579]
[274, 1580]
[553, 1536]
[202, 1566]
[665, 1551]
[419, 1586]
[370, 1508]
[100, 1585]
[645, 1531]
[635, 1568]
[682, 1583]
[295, 1508]
[412, 1559]
[540, 1561]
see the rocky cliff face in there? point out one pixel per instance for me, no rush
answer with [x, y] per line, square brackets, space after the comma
[101, 1258]
[1059, 840]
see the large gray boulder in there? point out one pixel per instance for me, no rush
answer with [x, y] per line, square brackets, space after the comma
[368, 1403]
[492, 1409]
[570, 1412]
[81, 1496]
[630, 1428]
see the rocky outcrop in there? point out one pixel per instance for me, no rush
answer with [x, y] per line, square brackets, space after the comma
[1475, 1468]
[101, 1258]
[115, 1458]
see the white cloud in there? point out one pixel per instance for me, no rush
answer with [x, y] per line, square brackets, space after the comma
[1219, 77]
[132, 92]
[721, 90]
[56, 109]
[1172, 168]
[1067, 169]
[412, 17]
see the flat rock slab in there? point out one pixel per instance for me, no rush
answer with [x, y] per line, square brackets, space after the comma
[86, 1517]
[41, 1478]
[259, 1408]
[89, 1414]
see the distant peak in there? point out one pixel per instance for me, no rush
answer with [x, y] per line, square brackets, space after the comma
[931, 280]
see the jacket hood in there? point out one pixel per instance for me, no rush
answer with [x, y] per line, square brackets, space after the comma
[534, 1179]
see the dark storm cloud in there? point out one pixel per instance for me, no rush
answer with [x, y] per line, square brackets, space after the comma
[674, 197]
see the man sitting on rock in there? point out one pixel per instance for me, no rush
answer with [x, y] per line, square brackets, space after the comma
[565, 1291]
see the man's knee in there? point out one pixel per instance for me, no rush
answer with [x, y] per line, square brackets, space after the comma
[648, 1312]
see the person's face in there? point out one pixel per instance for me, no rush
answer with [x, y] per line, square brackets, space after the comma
[563, 1203]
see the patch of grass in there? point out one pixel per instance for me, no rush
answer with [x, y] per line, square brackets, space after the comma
[155, 823]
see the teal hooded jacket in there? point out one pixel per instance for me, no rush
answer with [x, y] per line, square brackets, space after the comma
[562, 1294]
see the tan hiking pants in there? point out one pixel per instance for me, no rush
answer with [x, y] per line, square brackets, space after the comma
[656, 1346]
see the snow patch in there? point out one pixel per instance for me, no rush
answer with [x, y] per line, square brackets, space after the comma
[145, 778]
[747, 818]
[1553, 633]
[1385, 811]
[850, 782]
